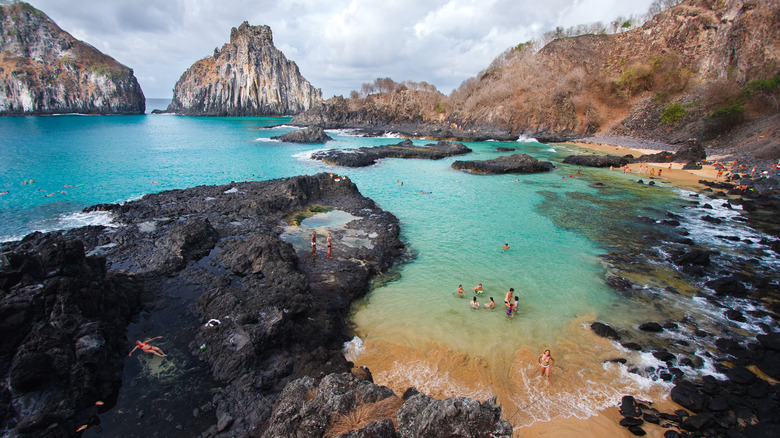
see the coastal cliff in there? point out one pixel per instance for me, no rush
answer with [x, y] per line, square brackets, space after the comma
[45, 70]
[699, 69]
[247, 77]
[704, 69]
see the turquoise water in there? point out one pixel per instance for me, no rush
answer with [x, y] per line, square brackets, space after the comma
[414, 330]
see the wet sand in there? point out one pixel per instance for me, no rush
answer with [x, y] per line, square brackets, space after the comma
[676, 176]
[606, 422]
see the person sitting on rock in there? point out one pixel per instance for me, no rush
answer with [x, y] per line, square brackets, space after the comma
[145, 347]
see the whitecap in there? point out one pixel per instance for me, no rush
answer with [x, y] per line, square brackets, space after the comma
[524, 139]
[353, 348]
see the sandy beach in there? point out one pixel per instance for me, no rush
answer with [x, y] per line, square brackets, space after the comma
[674, 175]
[606, 423]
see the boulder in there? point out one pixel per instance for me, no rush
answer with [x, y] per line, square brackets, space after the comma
[604, 330]
[651, 327]
[452, 417]
[728, 286]
[629, 408]
[687, 395]
[313, 134]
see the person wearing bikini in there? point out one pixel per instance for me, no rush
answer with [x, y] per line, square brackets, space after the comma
[545, 362]
[147, 348]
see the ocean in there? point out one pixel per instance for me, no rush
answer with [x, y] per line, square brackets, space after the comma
[565, 229]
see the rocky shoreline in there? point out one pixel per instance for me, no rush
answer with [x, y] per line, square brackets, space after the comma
[272, 316]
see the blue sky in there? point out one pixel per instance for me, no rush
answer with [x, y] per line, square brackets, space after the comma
[337, 44]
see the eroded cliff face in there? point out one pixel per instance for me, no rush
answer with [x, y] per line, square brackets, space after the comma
[699, 56]
[44, 70]
[247, 77]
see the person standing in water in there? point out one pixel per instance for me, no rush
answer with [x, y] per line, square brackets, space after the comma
[475, 304]
[314, 243]
[508, 298]
[490, 304]
[545, 362]
[460, 291]
[478, 289]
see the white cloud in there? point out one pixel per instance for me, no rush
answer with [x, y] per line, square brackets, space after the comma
[338, 45]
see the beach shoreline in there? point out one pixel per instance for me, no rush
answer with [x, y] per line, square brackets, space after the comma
[606, 422]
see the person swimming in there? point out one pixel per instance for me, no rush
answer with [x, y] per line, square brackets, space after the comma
[506, 246]
[148, 348]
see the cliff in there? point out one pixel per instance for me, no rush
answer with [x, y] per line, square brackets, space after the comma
[247, 77]
[44, 70]
[700, 69]
[704, 68]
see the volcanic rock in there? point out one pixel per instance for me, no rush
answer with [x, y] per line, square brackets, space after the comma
[604, 330]
[597, 160]
[516, 163]
[405, 149]
[307, 135]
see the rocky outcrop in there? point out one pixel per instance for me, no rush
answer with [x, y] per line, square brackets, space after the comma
[44, 70]
[280, 311]
[247, 77]
[306, 135]
[62, 326]
[515, 163]
[597, 160]
[346, 406]
[367, 156]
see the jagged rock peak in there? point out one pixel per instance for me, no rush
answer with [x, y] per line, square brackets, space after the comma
[45, 70]
[247, 77]
[263, 33]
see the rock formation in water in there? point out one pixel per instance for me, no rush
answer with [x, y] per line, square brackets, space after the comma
[367, 156]
[44, 70]
[306, 135]
[515, 163]
[247, 77]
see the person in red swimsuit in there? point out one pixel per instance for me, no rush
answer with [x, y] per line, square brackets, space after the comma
[146, 347]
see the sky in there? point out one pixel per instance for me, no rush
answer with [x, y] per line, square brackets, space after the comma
[337, 44]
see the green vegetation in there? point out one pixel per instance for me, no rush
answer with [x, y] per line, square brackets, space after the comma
[768, 85]
[672, 112]
[724, 118]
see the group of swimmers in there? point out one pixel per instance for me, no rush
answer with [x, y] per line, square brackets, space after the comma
[511, 301]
